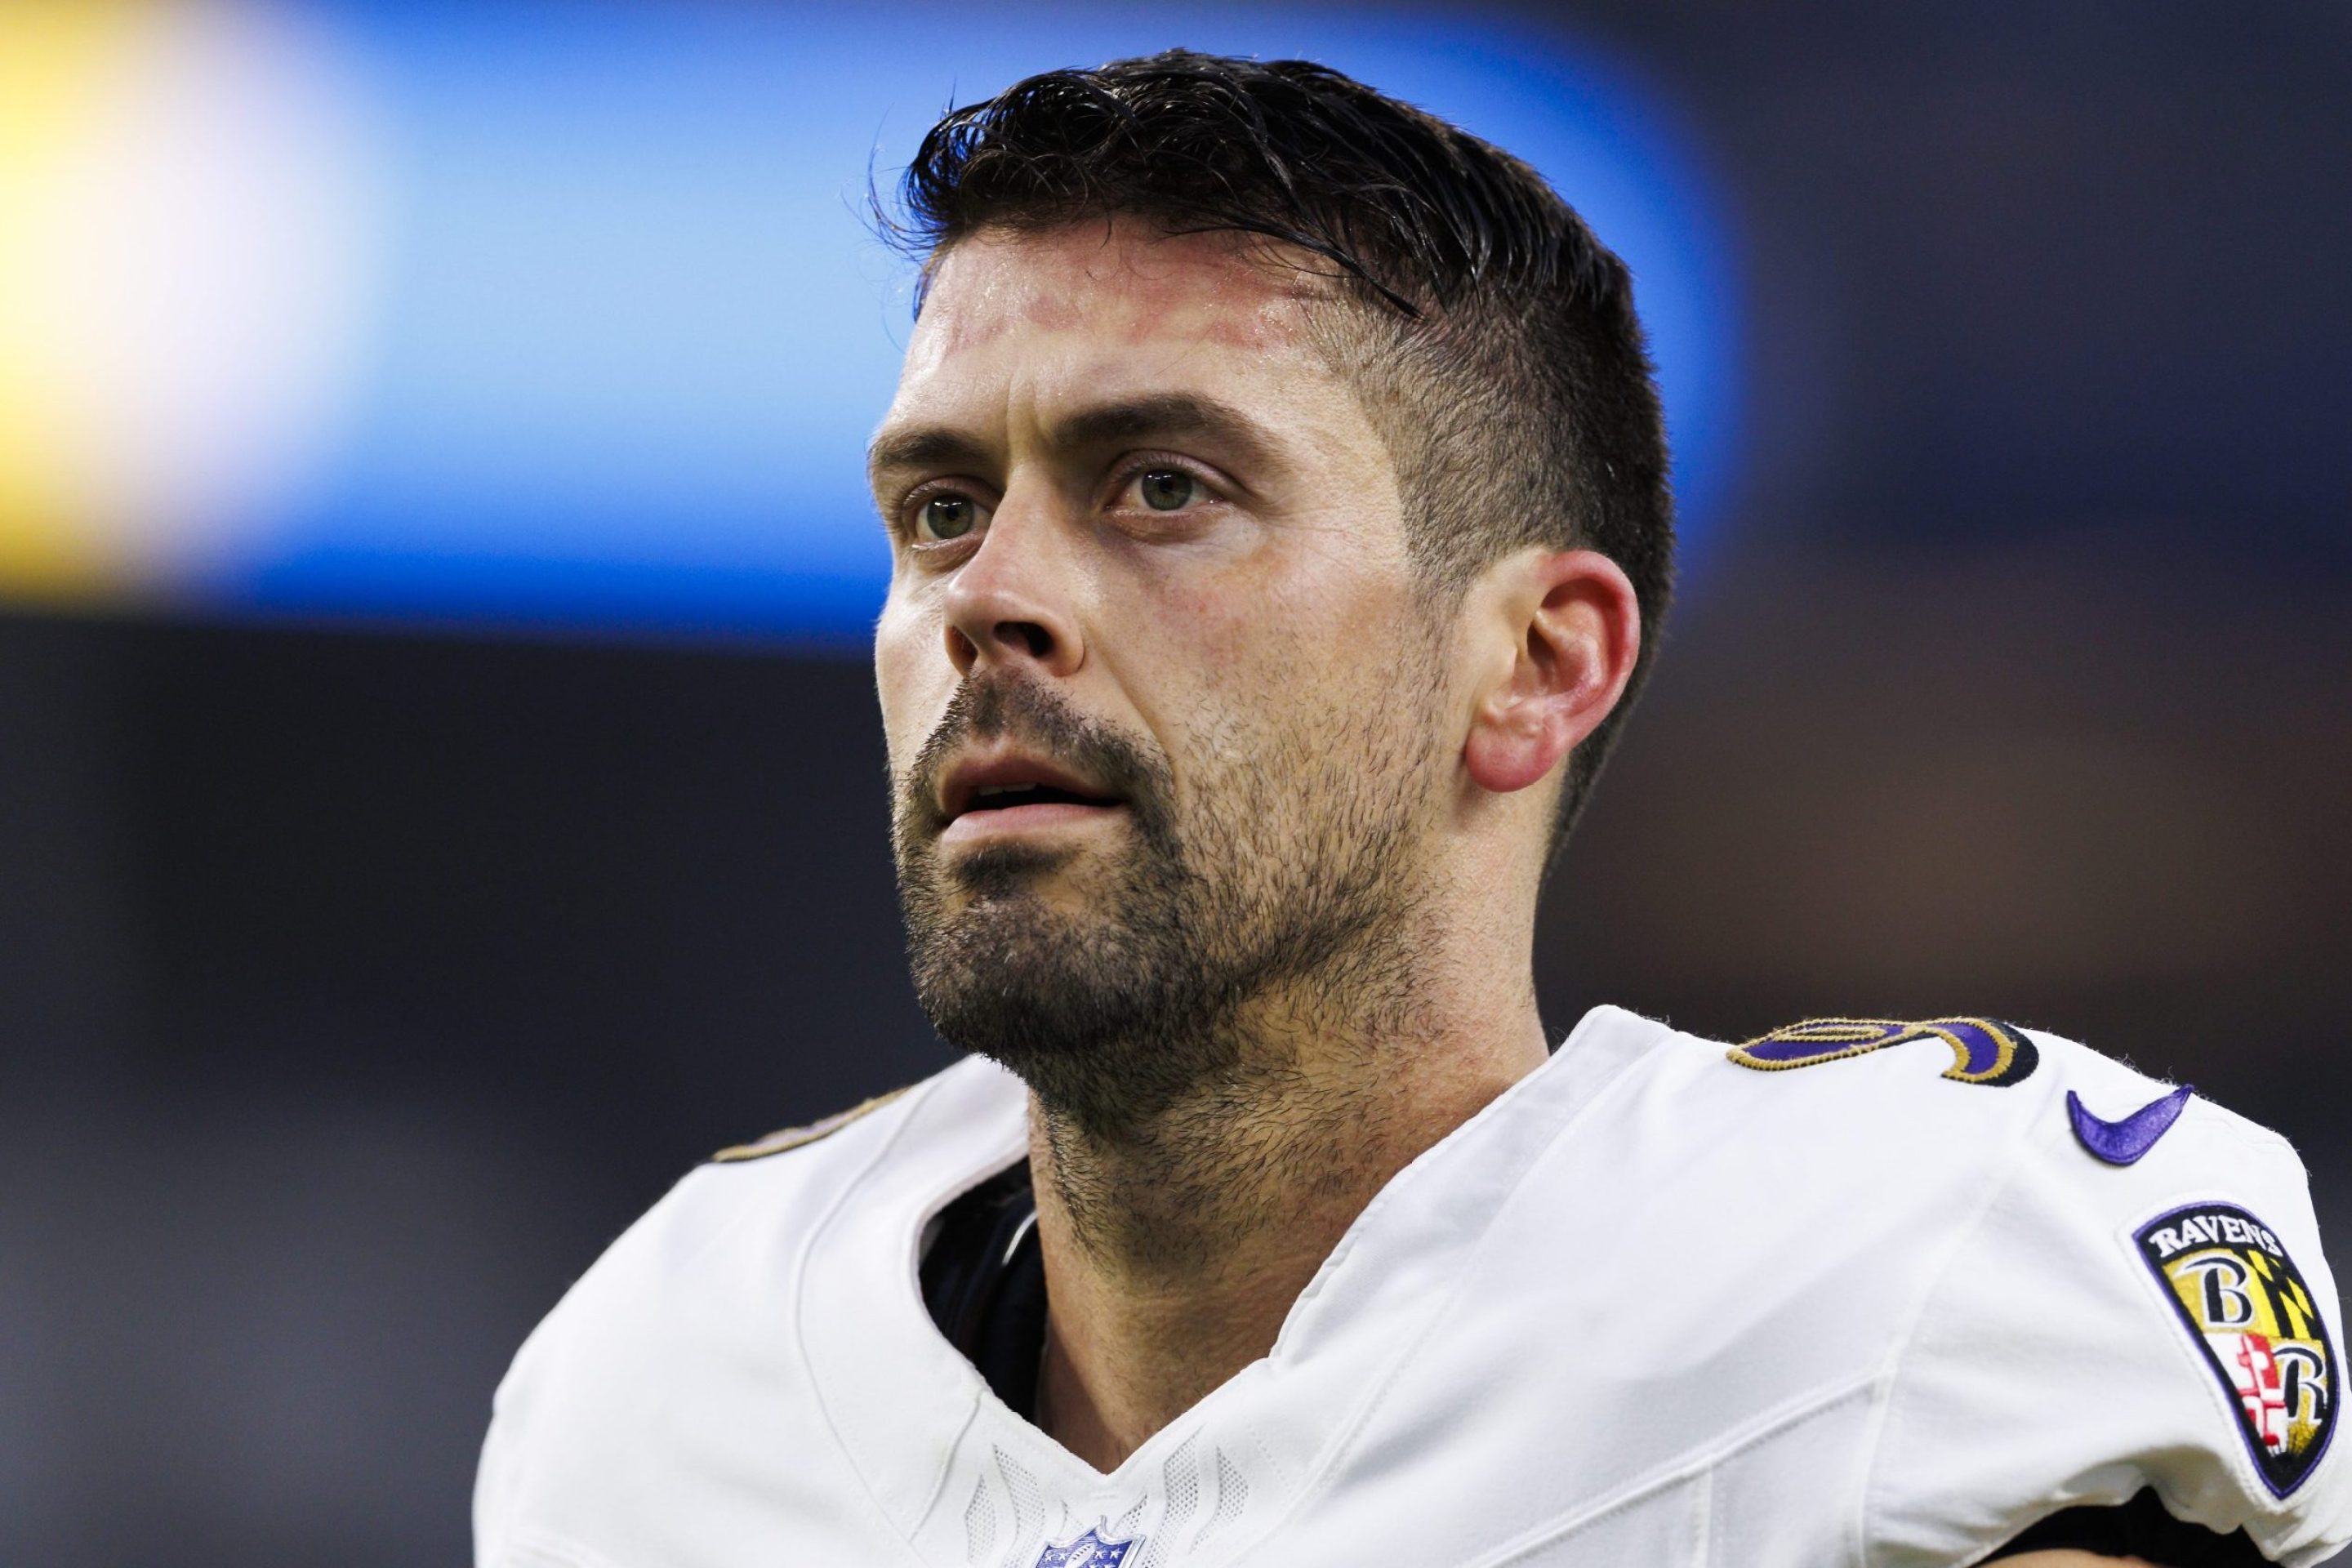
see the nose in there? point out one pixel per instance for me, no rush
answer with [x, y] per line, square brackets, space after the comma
[1008, 604]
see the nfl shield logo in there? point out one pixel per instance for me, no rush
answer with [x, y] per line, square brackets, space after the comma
[1088, 1551]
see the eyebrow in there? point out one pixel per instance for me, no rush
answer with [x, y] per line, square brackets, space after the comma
[1160, 415]
[1164, 416]
[924, 446]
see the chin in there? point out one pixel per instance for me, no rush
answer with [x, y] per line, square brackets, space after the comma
[1003, 870]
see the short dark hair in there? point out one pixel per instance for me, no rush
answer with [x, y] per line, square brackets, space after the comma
[1509, 377]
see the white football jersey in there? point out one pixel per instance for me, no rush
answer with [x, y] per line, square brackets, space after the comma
[1654, 1306]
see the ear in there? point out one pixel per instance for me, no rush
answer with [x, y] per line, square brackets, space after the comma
[1561, 631]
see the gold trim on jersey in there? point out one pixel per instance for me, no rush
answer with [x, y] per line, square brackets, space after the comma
[790, 1138]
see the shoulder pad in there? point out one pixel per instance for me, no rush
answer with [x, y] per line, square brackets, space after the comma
[791, 1137]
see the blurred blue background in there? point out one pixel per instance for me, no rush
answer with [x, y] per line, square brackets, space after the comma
[439, 781]
[635, 331]
[613, 321]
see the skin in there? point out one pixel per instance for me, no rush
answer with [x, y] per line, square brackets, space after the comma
[1037, 397]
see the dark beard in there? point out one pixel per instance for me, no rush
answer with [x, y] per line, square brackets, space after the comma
[1112, 1019]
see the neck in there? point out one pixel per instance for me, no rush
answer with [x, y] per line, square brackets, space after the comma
[1174, 1248]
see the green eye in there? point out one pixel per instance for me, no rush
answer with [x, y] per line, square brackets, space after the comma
[948, 517]
[1167, 490]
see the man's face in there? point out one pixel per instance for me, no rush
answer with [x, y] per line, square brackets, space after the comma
[1165, 713]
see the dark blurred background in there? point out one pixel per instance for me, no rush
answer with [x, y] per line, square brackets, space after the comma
[360, 977]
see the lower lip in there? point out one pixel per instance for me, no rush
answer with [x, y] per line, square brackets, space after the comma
[1007, 821]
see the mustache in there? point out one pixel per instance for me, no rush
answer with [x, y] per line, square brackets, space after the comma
[1002, 707]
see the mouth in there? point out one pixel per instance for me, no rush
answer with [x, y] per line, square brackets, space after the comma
[986, 799]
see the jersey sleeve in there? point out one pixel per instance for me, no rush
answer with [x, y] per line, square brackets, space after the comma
[553, 1356]
[494, 1481]
[2103, 1328]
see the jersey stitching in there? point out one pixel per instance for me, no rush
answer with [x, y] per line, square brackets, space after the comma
[1889, 1377]
[737, 1221]
[915, 1099]
[1703, 1532]
[1299, 1318]
[2244, 1131]
[947, 1468]
[1786, 1416]
[1344, 1438]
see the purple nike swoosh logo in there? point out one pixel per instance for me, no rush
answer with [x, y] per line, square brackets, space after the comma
[2121, 1142]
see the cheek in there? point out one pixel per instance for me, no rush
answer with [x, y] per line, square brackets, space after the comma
[910, 685]
[1256, 694]
[1279, 600]
[1351, 685]
[1316, 651]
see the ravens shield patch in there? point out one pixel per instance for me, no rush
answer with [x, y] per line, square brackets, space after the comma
[2246, 1305]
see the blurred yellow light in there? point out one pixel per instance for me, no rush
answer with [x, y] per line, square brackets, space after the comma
[189, 196]
[59, 59]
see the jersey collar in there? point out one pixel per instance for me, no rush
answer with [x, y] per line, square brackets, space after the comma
[904, 1404]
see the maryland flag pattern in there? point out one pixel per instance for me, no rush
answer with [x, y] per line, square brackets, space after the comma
[2246, 1305]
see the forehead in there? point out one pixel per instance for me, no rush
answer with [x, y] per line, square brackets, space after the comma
[1064, 311]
